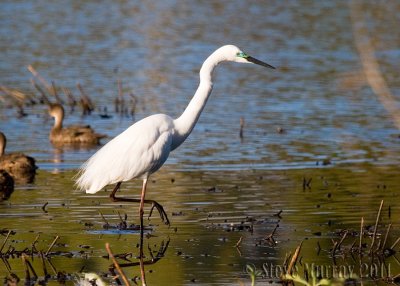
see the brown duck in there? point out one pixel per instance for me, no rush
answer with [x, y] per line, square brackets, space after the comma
[21, 167]
[6, 185]
[71, 135]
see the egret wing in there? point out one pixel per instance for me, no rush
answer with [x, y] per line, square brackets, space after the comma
[138, 151]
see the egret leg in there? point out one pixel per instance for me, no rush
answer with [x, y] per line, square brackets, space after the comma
[141, 211]
[154, 204]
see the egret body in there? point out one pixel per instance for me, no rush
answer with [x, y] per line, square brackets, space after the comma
[143, 148]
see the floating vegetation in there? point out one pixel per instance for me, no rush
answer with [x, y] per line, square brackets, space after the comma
[45, 271]
[366, 248]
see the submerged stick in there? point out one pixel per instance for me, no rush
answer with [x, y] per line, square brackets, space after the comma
[273, 232]
[5, 240]
[395, 243]
[44, 207]
[55, 93]
[70, 96]
[337, 244]
[121, 273]
[86, 102]
[41, 79]
[51, 245]
[241, 127]
[294, 258]
[44, 99]
[28, 267]
[361, 234]
[239, 242]
[104, 219]
[376, 226]
[43, 264]
[33, 244]
[386, 236]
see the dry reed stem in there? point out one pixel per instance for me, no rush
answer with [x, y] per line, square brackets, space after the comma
[386, 236]
[376, 226]
[5, 240]
[41, 91]
[395, 243]
[15, 94]
[121, 273]
[239, 242]
[294, 258]
[41, 79]
[337, 244]
[361, 234]
[51, 245]
[28, 266]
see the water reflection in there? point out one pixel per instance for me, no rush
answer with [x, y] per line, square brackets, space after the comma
[209, 212]
[47, 267]
[6, 185]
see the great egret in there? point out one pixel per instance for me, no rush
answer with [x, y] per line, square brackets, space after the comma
[143, 148]
[71, 135]
[21, 167]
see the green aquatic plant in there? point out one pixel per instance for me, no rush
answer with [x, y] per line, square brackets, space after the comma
[313, 282]
[253, 273]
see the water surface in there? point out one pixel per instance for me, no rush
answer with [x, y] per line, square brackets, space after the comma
[215, 181]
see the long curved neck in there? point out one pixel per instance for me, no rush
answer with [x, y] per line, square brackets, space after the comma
[186, 122]
[58, 121]
[3, 142]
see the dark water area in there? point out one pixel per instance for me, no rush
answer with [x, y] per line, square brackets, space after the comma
[319, 149]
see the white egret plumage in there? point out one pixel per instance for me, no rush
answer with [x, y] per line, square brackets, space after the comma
[143, 148]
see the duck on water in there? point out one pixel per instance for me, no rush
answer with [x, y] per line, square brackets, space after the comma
[71, 135]
[20, 167]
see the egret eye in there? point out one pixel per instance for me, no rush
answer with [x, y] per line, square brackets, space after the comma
[242, 55]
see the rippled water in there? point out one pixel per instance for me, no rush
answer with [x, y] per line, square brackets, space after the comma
[317, 96]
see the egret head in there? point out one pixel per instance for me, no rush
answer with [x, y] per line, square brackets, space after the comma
[235, 54]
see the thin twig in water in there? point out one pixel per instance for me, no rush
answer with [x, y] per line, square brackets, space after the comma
[121, 273]
[294, 258]
[44, 207]
[28, 266]
[41, 79]
[43, 264]
[5, 240]
[361, 235]
[395, 243]
[51, 245]
[386, 236]
[104, 219]
[337, 244]
[376, 226]
[44, 98]
[239, 242]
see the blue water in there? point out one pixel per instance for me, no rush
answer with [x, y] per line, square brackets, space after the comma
[156, 50]
[317, 98]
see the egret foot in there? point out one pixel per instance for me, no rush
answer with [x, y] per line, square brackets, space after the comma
[154, 204]
[161, 211]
